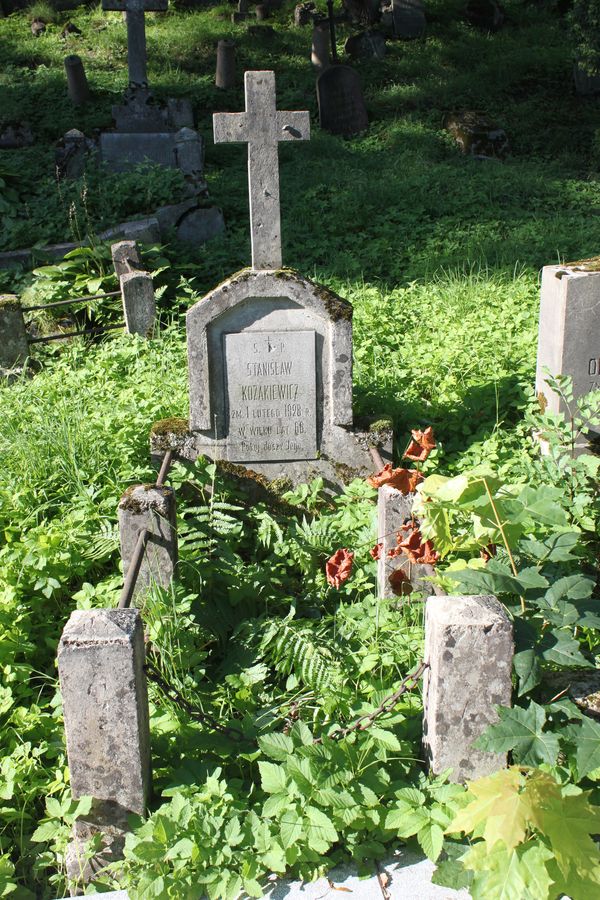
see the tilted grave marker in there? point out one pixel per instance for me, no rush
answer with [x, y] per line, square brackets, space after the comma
[569, 330]
[136, 33]
[270, 352]
[408, 19]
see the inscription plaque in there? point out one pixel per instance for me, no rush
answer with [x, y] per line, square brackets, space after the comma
[270, 385]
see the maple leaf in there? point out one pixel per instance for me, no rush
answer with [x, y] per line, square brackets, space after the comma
[418, 551]
[400, 583]
[586, 739]
[498, 805]
[376, 551]
[520, 730]
[507, 874]
[339, 567]
[421, 445]
[403, 480]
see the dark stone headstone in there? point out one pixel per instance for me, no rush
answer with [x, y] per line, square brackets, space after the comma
[123, 152]
[368, 45]
[476, 135]
[409, 19]
[486, 14]
[342, 107]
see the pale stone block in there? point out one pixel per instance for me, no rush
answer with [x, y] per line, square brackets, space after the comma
[125, 257]
[569, 330]
[139, 305]
[469, 648]
[153, 508]
[14, 347]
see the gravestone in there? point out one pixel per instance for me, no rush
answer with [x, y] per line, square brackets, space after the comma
[145, 129]
[367, 45]
[408, 19]
[569, 330]
[342, 107]
[270, 352]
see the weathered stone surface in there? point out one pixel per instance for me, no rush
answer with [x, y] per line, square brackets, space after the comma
[342, 107]
[304, 14]
[126, 258]
[408, 19]
[582, 686]
[469, 648]
[16, 135]
[321, 41]
[262, 126]
[139, 305]
[105, 704]
[147, 231]
[12, 259]
[71, 154]
[368, 45]
[393, 510]
[136, 33]
[569, 329]
[200, 225]
[180, 113]
[14, 348]
[476, 135]
[77, 85]
[153, 508]
[189, 153]
[122, 152]
[225, 75]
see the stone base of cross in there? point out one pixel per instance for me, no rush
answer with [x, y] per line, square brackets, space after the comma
[262, 126]
[136, 33]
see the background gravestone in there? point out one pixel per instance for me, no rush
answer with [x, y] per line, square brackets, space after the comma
[270, 352]
[408, 19]
[342, 107]
[569, 330]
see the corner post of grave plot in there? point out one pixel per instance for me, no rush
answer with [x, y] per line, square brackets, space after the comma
[469, 651]
[105, 704]
[394, 509]
[14, 346]
[137, 289]
[147, 513]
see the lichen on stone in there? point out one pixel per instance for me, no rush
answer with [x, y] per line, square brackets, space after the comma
[173, 425]
[585, 265]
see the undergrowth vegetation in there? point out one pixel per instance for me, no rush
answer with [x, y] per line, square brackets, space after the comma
[439, 256]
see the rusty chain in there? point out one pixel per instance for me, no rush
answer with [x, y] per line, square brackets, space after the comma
[408, 683]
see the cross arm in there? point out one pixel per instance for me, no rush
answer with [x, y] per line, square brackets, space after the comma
[230, 127]
[293, 126]
[135, 5]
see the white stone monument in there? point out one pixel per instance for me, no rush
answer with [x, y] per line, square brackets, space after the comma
[270, 352]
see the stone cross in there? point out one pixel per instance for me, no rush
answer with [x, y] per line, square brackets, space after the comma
[136, 34]
[262, 126]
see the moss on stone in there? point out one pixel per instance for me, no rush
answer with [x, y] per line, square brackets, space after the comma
[586, 265]
[345, 473]
[139, 505]
[170, 426]
[385, 424]
[9, 302]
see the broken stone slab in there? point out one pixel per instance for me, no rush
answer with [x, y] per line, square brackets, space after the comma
[146, 231]
[469, 649]
[476, 135]
[153, 508]
[200, 225]
[126, 257]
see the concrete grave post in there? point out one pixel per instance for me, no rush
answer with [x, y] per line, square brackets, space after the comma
[469, 649]
[225, 77]
[126, 258]
[14, 347]
[105, 707]
[393, 509]
[569, 330]
[320, 46]
[77, 85]
[153, 508]
[139, 305]
[189, 153]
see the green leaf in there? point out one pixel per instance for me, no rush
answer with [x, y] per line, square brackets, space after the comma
[520, 730]
[543, 504]
[560, 647]
[273, 778]
[586, 738]
[277, 746]
[431, 839]
[46, 831]
[528, 669]
[385, 739]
